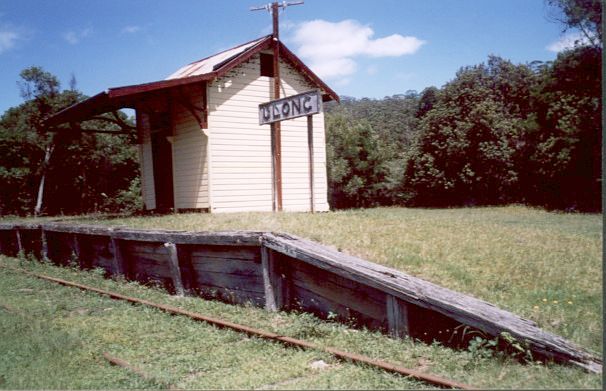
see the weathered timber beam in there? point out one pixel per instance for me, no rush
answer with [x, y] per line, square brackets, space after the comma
[78, 228]
[227, 238]
[220, 238]
[463, 308]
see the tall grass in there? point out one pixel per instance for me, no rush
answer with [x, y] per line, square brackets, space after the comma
[53, 337]
[542, 265]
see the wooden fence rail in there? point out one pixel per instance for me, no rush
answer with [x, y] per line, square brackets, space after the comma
[283, 272]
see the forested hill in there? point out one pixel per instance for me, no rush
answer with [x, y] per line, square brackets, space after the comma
[497, 133]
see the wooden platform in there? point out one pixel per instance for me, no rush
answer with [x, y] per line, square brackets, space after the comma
[284, 272]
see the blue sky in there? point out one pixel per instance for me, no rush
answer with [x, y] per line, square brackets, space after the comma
[360, 48]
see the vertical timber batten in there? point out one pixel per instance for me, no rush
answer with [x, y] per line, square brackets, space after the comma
[119, 261]
[310, 150]
[173, 261]
[44, 240]
[19, 242]
[77, 251]
[273, 281]
[397, 317]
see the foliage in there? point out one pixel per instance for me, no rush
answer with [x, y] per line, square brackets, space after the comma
[356, 171]
[566, 158]
[584, 15]
[81, 171]
[497, 133]
[366, 147]
[468, 141]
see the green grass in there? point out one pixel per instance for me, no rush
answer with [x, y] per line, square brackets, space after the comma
[541, 265]
[52, 337]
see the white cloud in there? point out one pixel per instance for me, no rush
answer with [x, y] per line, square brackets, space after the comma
[74, 37]
[131, 29]
[567, 41]
[8, 39]
[331, 48]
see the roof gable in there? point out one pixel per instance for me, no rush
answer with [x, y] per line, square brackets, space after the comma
[203, 70]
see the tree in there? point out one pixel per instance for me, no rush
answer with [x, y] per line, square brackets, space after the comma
[42, 89]
[357, 163]
[469, 140]
[584, 15]
[35, 161]
[566, 160]
[428, 99]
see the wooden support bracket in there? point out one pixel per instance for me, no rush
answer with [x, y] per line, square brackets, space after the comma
[175, 271]
[199, 113]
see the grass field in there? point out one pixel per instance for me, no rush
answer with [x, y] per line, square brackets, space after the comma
[54, 337]
[543, 266]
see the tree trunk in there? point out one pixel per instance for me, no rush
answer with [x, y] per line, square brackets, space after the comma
[47, 155]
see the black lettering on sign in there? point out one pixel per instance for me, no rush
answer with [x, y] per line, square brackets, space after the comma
[285, 109]
[296, 106]
[266, 113]
[275, 111]
[307, 104]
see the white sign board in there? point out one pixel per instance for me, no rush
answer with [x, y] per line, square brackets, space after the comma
[307, 103]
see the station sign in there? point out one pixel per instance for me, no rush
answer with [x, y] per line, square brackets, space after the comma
[307, 103]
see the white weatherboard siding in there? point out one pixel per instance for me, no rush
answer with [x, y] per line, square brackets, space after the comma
[146, 163]
[295, 155]
[240, 149]
[190, 164]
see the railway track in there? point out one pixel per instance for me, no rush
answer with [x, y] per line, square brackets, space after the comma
[258, 333]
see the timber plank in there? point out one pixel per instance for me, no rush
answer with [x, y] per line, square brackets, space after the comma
[362, 299]
[229, 266]
[237, 296]
[227, 238]
[324, 307]
[231, 281]
[245, 253]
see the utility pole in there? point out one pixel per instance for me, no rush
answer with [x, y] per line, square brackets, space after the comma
[276, 136]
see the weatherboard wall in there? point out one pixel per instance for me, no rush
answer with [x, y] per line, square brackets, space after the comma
[295, 155]
[240, 149]
[190, 163]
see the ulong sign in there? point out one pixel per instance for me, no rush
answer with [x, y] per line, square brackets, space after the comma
[307, 103]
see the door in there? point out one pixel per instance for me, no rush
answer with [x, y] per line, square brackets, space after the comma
[163, 170]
